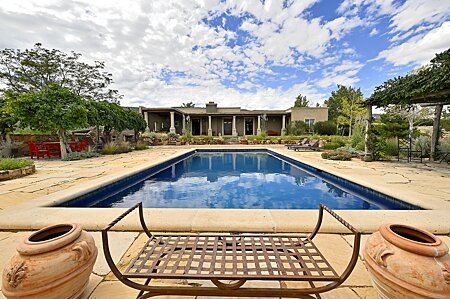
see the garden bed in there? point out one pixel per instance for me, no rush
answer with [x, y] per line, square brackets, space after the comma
[15, 168]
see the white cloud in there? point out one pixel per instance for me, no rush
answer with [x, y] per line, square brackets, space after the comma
[374, 32]
[419, 50]
[342, 74]
[416, 12]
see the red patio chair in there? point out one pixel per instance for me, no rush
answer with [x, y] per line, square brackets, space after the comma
[83, 145]
[39, 151]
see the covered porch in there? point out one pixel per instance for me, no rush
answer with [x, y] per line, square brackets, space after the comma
[215, 124]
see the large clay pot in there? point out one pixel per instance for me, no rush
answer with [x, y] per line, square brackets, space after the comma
[54, 262]
[406, 262]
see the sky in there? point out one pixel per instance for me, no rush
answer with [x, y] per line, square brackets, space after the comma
[247, 53]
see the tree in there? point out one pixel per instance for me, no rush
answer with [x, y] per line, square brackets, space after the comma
[107, 115]
[334, 103]
[301, 101]
[409, 113]
[348, 102]
[53, 108]
[188, 105]
[135, 122]
[34, 69]
[8, 120]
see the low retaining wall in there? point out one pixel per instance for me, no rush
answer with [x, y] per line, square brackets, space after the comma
[16, 173]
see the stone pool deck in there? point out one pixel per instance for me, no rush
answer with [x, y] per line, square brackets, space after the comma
[23, 201]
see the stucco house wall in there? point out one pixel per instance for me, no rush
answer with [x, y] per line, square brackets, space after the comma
[316, 113]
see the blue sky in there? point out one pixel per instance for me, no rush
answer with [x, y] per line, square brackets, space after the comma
[253, 54]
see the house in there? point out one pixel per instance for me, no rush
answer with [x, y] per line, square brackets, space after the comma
[212, 120]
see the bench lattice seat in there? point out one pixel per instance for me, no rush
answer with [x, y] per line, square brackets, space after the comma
[256, 257]
[231, 257]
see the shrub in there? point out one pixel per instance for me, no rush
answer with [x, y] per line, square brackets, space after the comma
[444, 146]
[109, 148]
[341, 140]
[172, 135]
[297, 128]
[337, 155]
[390, 147]
[358, 133]
[325, 127]
[123, 147]
[423, 144]
[348, 149]
[140, 146]
[11, 163]
[80, 156]
[331, 145]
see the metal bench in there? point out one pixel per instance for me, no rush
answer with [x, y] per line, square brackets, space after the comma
[240, 258]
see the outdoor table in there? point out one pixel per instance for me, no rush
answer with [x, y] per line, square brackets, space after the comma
[54, 147]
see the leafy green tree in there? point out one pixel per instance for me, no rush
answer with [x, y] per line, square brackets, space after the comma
[34, 69]
[334, 103]
[136, 122]
[301, 101]
[107, 115]
[53, 108]
[8, 120]
[348, 102]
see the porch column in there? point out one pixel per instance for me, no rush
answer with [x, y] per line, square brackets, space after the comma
[234, 126]
[183, 130]
[258, 130]
[209, 126]
[172, 122]
[283, 126]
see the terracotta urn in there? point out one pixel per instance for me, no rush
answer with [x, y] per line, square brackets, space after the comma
[407, 262]
[54, 262]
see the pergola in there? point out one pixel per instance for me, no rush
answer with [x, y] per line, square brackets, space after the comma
[427, 86]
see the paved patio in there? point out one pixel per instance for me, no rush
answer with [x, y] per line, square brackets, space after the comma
[21, 202]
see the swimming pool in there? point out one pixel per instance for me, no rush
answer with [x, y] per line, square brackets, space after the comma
[237, 179]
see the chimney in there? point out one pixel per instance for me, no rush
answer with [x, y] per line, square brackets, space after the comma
[211, 107]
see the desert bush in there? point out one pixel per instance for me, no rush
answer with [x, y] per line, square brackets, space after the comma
[11, 163]
[140, 146]
[123, 147]
[325, 127]
[331, 145]
[341, 140]
[297, 128]
[337, 155]
[109, 148]
[348, 149]
[444, 146]
[172, 135]
[423, 144]
[391, 147]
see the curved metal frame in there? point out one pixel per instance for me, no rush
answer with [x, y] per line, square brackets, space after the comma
[233, 289]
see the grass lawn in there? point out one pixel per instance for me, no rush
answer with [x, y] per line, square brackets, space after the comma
[11, 163]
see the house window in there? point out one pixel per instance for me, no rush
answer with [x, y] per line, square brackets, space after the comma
[309, 122]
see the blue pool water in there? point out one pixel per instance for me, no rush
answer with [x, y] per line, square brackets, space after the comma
[242, 180]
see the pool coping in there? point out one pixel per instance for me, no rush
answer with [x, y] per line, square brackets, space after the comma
[35, 214]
